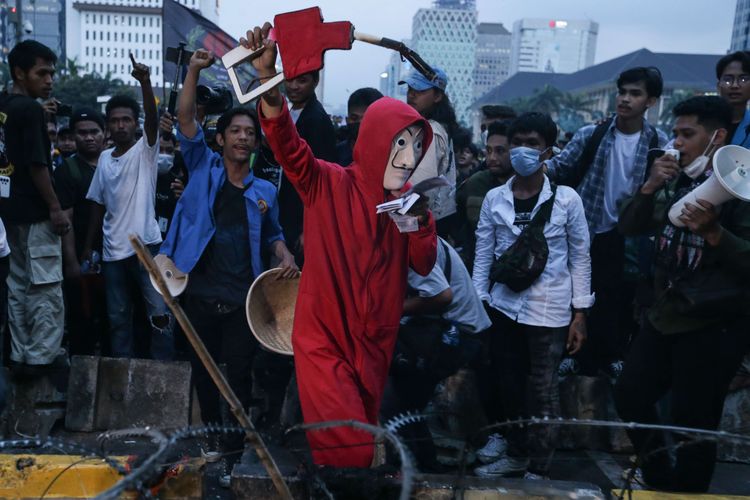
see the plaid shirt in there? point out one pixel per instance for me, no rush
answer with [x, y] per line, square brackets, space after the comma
[591, 188]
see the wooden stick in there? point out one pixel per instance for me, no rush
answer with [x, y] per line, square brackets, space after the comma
[213, 370]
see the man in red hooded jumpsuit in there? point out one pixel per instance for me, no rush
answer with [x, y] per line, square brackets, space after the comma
[356, 262]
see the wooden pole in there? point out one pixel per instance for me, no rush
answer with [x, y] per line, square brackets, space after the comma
[213, 370]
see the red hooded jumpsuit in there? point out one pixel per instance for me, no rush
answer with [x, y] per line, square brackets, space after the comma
[352, 290]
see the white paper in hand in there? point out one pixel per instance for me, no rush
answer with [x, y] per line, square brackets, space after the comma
[401, 205]
[405, 223]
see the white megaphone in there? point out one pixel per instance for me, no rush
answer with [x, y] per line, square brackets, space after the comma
[175, 279]
[731, 179]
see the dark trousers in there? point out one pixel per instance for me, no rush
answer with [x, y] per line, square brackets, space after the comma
[697, 367]
[607, 337]
[411, 393]
[228, 339]
[524, 359]
[86, 315]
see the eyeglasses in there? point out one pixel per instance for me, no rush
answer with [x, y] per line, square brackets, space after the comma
[729, 80]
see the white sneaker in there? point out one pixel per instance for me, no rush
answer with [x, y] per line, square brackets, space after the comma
[534, 477]
[494, 449]
[506, 466]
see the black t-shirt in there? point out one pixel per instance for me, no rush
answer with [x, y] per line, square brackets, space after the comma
[524, 209]
[25, 142]
[224, 272]
[266, 167]
[72, 180]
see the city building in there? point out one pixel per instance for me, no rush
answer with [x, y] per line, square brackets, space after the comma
[394, 72]
[41, 20]
[741, 28]
[492, 64]
[553, 46]
[445, 35]
[101, 33]
[687, 73]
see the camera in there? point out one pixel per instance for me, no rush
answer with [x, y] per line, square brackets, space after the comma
[216, 100]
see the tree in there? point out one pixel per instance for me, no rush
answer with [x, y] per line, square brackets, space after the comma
[666, 119]
[547, 100]
[521, 104]
[82, 90]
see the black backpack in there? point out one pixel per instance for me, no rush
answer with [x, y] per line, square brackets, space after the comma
[524, 261]
[584, 162]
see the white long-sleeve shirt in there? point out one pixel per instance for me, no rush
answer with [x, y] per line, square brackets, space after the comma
[566, 279]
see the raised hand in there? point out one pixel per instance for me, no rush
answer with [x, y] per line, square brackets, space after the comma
[201, 59]
[663, 170]
[257, 38]
[140, 72]
[166, 123]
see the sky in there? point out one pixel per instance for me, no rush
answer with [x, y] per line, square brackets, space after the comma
[687, 26]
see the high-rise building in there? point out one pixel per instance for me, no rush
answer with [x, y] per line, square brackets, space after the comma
[741, 29]
[41, 20]
[101, 33]
[445, 36]
[394, 72]
[553, 45]
[492, 65]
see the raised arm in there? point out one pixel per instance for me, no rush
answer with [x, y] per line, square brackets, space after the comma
[271, 103]
[186, 108]
[294, 155]
[142, 73]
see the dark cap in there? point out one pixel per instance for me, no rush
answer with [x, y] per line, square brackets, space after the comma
[86, 114]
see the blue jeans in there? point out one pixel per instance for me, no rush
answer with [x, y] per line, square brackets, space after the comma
[122, 279]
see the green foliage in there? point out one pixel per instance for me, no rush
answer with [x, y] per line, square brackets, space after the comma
[71, 87]
[570, 111]
[666, 119]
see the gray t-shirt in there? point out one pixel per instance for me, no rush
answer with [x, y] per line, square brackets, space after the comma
[465, 310]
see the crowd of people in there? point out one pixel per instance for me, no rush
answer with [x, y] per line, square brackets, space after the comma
[541, 255]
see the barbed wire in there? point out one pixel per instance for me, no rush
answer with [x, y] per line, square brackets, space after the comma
[407, 462]
[154, 462]
[138, 476]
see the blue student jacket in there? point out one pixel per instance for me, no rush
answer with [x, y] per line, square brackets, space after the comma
[193, 223]
[742, 134]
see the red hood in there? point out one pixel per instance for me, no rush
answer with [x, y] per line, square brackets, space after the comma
[383, 119]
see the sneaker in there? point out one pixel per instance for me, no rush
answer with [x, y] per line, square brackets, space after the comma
[614, 370]
[506, 466]
[568, 366]
[531, 476]
[493, 450]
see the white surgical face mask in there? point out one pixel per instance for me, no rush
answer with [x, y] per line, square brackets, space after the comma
[165, 162]
[698, 166]
[406, 152]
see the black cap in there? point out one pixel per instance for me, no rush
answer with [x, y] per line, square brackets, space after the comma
[86, 114]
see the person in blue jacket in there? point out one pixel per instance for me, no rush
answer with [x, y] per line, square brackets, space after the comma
[223, 223]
